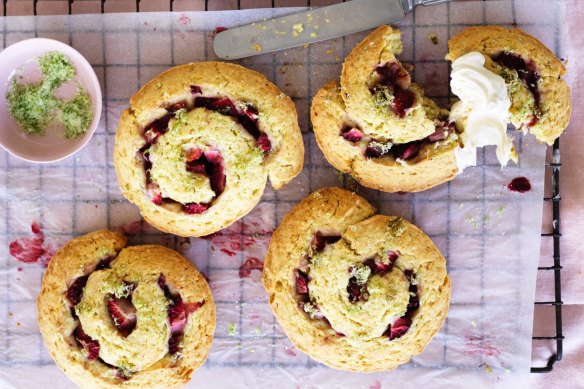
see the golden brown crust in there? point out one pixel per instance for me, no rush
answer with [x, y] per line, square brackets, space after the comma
[328, 117]
[555, 94]
[277, 118]
[362, 235]
[143, 266]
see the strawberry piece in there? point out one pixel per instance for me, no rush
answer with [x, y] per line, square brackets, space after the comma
[394, 74]
[196, 90]
[392, 255]
[175, 107]
[251, 113]
[220, 29]
[123, 313]
[353, 135]
[214, 156]
[174, 343]
[194, 154]
[319, 241]
[196, 167]
[356, 292]
[373, 151]
[177, 315]
[195, 208]
[438, 135]
[407, 150]
[399, 327]
[75, 291]
[157, 198]
[264, 143]
[224, 105]
[89, 345]
[250, 126]
[218, 179]
[301, 282]
[403, 100]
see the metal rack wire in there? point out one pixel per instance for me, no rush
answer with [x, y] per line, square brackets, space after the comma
[554, 166]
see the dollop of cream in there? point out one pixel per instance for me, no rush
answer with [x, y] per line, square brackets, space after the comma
[482, 112]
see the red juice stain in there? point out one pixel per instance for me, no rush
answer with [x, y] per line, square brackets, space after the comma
[375, 385]
[519, 184]
[251, 263]
[130, 229]
[478, 345]
[290, 351]
[228, 252]
[32, 250]
[184, 19]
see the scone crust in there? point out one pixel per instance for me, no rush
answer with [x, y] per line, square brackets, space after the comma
[278, 119]
[354, 217]
[556, 104]
[328, 116]
[56, 323]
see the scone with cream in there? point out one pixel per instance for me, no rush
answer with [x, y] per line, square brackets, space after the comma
[133, 317]
[523, 68]
[196, 147]
[378, 126]
[355, 290]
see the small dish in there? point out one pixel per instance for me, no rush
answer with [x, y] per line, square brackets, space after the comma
[49, 147]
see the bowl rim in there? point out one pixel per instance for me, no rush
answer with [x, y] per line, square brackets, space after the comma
[81, 62]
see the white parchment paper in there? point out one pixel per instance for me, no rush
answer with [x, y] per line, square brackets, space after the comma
[489, 235]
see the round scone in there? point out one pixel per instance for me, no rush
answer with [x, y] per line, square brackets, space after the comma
[540, 99]
[379, 127]
[198, 143]
[354, 290]
[132, 317]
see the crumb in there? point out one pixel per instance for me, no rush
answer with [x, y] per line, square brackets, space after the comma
[257, 47]
[257, 330]
[305, 45]
[10, 314]
[433, 38]
[18, 324]
[313, 34]
[461, 205]
[473, 323]
[327, 20]
[298, 28]
[283, 70]
[232, 329]
[309, 17]
[158, 85]
[329, 51]
[337, 58]
[500, 211]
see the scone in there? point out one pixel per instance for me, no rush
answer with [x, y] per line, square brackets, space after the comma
[540, 99]
[378, 126]
[132, 317]
[354, 290]
[198, 143]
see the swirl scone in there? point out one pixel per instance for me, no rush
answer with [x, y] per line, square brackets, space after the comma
[196, 147]
[132, 317]
[378, 126]
[355, 290]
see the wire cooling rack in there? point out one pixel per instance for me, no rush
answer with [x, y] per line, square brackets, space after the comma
[24, 7]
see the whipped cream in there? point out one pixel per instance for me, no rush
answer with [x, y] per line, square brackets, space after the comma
[482, 112]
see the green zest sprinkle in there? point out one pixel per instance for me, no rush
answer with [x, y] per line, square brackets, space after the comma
[35, 107]
[232, 330]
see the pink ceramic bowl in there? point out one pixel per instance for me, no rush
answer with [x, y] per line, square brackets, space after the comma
[49, 147]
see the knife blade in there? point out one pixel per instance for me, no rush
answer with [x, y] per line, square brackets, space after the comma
[311, 26]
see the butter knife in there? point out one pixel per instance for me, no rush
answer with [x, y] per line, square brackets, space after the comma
[311, 26]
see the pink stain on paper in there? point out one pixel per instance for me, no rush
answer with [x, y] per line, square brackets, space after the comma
[478, 345]
[290, 351]
[432, 79]
[184, 19]
[251, 263]
[248, 237]
[375, 385]
[130, 229]
[32, 250]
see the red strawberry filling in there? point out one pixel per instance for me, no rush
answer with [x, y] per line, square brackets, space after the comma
[356, 291]
[398, 328]
[175, 107]
[196, 208]
[123, 312]
[319, 241]
[378, 266]
[301, 282]
[90, 346]
[251, 263]
[396, 79]
[527, 72]
[351, 134]
[178, 313]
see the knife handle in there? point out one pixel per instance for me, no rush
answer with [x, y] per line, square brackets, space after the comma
[410, 4]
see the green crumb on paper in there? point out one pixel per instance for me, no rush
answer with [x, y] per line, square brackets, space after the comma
[35, 107]
[232, 329]
[473, 221]
[257, 330]
[501, 210]
[433, 38]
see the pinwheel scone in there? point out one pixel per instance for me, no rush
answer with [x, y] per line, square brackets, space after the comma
[378, 126]
[132, 317]
[354, 290]
[196, 147]
[540, 98]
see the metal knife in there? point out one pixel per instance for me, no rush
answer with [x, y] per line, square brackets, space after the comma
[311, 26]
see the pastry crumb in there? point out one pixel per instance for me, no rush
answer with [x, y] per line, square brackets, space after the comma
[473, 323]
[313, 34]
[232, 329]
[433, 38]
[297, 29]
[257, 47]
